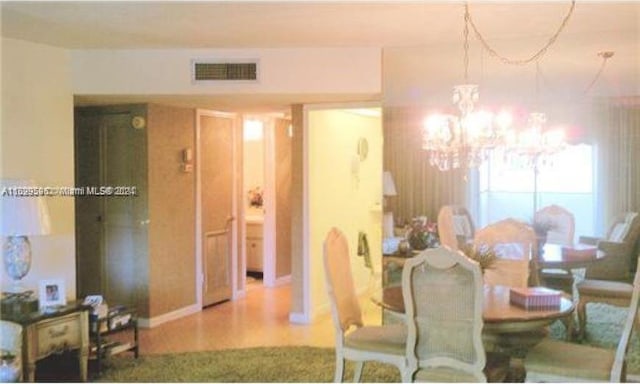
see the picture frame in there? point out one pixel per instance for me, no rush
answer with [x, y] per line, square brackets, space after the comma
[52, 293]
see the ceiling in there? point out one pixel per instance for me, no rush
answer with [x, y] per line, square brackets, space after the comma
[516, 29]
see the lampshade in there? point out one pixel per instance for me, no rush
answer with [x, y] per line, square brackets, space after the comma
[388, 186]
[22, 215]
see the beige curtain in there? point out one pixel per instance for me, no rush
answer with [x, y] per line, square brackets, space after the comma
[422, 189]
[617, 137]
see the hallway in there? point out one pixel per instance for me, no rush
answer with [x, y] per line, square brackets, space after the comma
[259, 319]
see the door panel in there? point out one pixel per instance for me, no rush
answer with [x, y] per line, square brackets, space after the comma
[122, 223]
[217, 176]
[89, 211]
[111, 231]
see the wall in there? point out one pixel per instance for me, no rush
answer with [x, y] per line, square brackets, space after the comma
[37, 143]
[171, 210]
[343, 192]
[297, 70]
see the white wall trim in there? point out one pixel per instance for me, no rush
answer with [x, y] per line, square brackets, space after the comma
[169, 316]
[282, 281]
[299, 318]
[269, 226]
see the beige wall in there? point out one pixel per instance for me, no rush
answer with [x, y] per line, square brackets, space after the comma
[37, 143]
[343, 192]
[171, 210]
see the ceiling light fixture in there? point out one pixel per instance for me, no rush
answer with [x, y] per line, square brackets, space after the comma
[463, 140]
[466, 140]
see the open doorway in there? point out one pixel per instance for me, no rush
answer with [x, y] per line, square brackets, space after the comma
[266, 206]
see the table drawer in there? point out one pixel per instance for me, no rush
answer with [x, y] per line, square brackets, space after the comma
[58, 335]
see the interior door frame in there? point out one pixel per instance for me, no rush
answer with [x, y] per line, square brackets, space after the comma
[198, 219]
[308, 311]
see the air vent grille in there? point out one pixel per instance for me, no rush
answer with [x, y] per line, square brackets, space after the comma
[225, 71]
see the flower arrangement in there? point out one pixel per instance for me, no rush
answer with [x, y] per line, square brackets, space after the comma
[422, 234]
[255, 197]
[483, 255]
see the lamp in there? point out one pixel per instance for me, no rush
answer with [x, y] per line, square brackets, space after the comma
[388, 189]
[23, 213]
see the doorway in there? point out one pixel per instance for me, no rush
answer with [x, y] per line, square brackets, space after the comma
[266, 203]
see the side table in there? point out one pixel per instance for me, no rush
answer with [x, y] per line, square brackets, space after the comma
[45, 333]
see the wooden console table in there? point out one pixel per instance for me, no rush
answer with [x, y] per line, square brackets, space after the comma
[66, 328]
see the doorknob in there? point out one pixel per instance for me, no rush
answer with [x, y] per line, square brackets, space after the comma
[230, 218]
[144, 222]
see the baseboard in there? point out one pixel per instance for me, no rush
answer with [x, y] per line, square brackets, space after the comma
[283, 280]
[166, 317]
[633, 378]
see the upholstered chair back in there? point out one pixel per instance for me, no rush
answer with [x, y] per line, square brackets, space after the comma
[342, 292]
[513, 243]
[455, 226]
[443, 296]
[562, 222]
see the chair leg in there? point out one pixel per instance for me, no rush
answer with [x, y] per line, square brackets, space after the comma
[339, 374]
[357, 371]
[582, 318]
[568, 325]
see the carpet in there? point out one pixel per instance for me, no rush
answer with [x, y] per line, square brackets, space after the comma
[312, 364]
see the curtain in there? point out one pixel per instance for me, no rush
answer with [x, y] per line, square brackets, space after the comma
[421, 188]
[617, 137]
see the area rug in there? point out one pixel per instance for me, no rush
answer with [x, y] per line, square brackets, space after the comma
[262, 364]
[313, 364]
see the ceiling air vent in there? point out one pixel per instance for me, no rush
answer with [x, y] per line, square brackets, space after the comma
[204, 71]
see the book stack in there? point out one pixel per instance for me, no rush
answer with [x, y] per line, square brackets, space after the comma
[535, 297]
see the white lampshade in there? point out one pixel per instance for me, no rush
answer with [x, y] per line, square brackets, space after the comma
[388, 186]
[22, 215]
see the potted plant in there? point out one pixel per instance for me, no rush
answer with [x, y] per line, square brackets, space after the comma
[483, 255]
[422, 235]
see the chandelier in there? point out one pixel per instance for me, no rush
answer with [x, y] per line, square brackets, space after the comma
[463, 140]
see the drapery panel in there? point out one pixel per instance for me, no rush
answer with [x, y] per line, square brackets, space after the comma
[422, 189]
[617, 138]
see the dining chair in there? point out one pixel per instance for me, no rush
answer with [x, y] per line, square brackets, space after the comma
[562, 223]
[608, 280]
[616, 293]
[562, 232]
[11, 342]
[513, 242]
[355, 341]
[443, 294]
[455, 226]
[559, 361]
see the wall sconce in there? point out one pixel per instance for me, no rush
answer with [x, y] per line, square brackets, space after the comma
[187, 160]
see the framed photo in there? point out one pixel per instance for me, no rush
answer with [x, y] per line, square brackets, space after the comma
[52, 293]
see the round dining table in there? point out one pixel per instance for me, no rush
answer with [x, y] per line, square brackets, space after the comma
[498, 313]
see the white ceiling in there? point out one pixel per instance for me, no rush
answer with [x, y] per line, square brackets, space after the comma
[517, 29]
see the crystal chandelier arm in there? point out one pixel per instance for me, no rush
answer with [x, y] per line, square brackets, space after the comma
[536, 55]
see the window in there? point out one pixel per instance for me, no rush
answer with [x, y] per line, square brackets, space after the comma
[509, 190]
